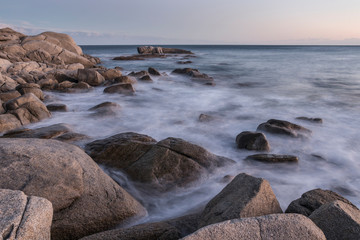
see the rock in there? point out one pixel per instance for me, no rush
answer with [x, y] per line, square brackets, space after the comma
[166, 165]
[272, 227]
[31, 88]
[64, 86]
[184, 62]
[27, 108]
[57, 107]
[129, 58]
[312, 200]
[4, 64]
[124, 79]
[273, 158]
[161, 50]
[105, 109]
[7, 83]
[195, 75]
[338, 220]
[110, 74]
[71, 137]
[47, 84]
[284, 128]
[121, 150]
[167, 230]
[252, 141]
[90, 76]
[205, 118]
[82, 86]
[6, 96]
[146, 78]
[139, 74]
[48, 132]
[315, 120]
[123, 88]
[245, 196]
[153, 71]
[24, 217]
[84, 198]
[7, 34]
[8, 122]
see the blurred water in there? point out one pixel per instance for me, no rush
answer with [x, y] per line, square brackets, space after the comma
[253, 84]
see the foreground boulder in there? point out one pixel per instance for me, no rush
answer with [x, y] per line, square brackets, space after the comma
[195, 75]
[338, 220]
[284, 128]
[245, 196]
[271, 227]
[84, 198]
[24, 217]
[172, 229]
[167, 164]
[312, 200]
[252, 141]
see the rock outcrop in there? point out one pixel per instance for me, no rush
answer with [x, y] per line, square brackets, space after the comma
[84, 198]
[271, 227]
[24, 217]
[245, 196]
[161, 50]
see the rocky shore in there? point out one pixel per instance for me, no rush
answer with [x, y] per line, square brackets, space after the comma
[53, 188]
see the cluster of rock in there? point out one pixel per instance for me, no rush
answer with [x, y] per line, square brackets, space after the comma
[257, 141]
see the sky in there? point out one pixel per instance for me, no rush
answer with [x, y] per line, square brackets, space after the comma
[189, 21]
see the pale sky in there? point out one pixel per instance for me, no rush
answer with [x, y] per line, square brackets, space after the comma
[189, 21]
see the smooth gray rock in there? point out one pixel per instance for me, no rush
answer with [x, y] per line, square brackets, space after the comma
[252, 141]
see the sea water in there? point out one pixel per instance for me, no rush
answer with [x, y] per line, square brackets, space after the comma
[253, 84]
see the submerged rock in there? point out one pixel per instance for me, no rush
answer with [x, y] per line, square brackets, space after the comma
[105, 109]
[312, 200]
[252, 141]
[153, 71]
[146, 78]
[206, 118]
[273, 158]
[315, 120]
[84, 198]
[24, 217]
[338, 220]
[245, 196]
[195, 75]
[57, 107]
[164, 165]
[284, 128]
[122, 88]
[274, 227]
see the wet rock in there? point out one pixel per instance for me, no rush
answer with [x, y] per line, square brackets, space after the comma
[168, 230]
[315, 120]
[82, 86]
[195, 75]
[245, 196]
[64, 86]
[84, 198]
[71, 137]
[31, 88]
[273, 158]
[146, 78]
[184, 62]
[6, 96]
[90, 76]
[166, 165]
[110, 74]
[139, 74]
[48, 132]
[105, 109]
[8, 122]
[338, 220]
[122, 88]
[312, 200]
[24, 217]
[161, 50]
[205, 118]
[27, 108]
[252, 141]
[122, 79]
[57, 107]
[274, 227]
[284, 128]
[153, 71]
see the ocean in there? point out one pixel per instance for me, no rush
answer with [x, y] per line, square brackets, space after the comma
[253, 84]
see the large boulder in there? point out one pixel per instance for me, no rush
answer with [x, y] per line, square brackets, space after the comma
[24, 217]
[338, 220]
[252, 141]
[282, 127]
[27, 108]
[312, 200]
[30, 88]
[84, 198]
[8, 122]
[90, 76]
[165, 165]
[110, 74]
[271, 227]
[245, 196]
